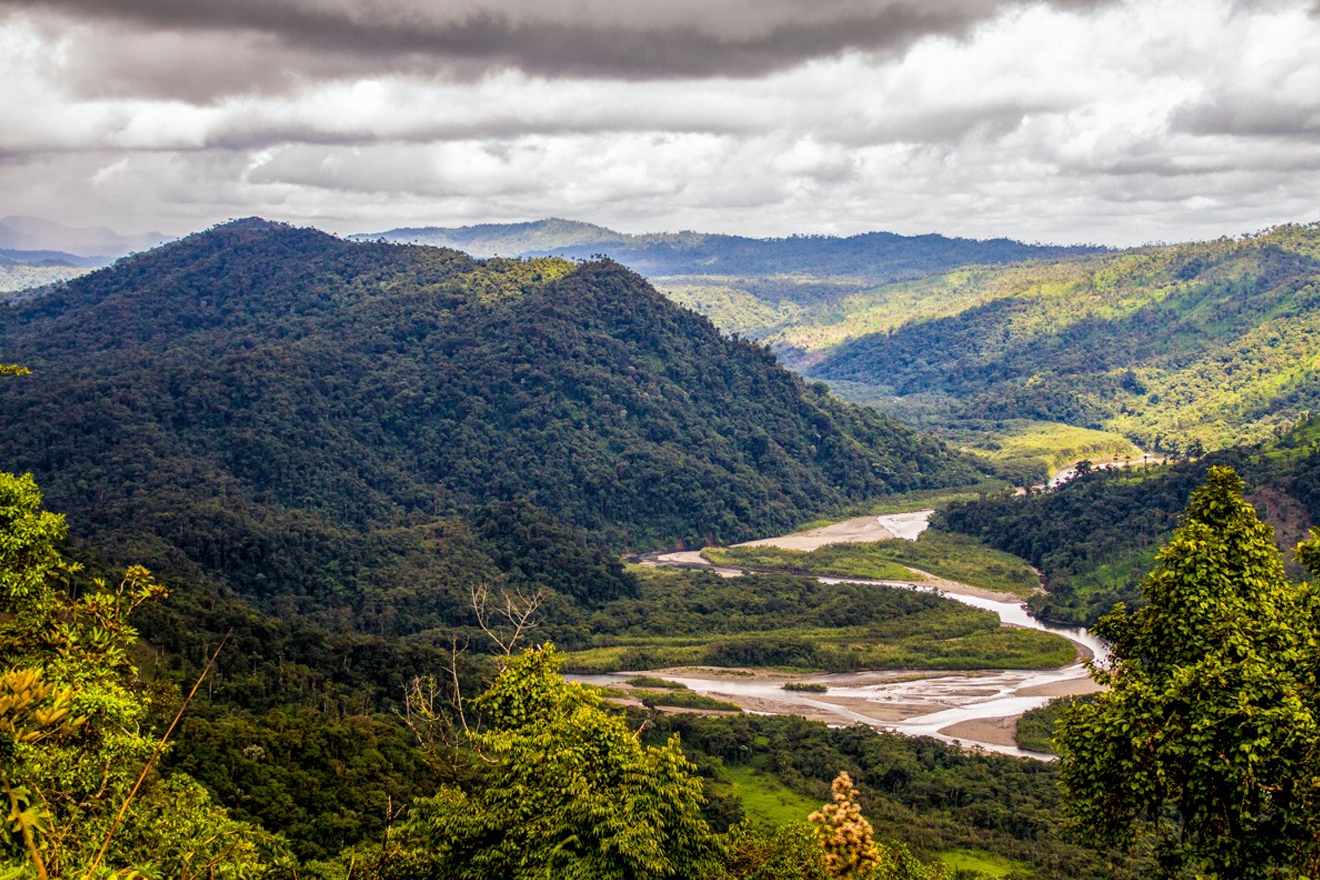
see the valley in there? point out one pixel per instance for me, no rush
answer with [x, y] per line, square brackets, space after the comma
[351, 462]
[947, 707]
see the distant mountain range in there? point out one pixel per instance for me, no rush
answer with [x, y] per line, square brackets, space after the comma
[1190, 345]
[873, 256]
[56, 242]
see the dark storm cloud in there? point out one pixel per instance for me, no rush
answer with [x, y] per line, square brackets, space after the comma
[1254, 116]
[736, 38]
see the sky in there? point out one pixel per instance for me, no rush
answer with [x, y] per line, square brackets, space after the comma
[1066, 121]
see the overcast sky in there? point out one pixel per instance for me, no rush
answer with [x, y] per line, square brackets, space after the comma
[1064, 121]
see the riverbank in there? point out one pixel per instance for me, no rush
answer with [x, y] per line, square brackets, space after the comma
[972, 708]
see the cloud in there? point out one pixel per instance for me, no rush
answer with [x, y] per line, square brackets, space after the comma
[208, 48]
[1064, 122]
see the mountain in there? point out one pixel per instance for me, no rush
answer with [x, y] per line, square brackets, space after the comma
[366, 429]
[873, 256]
[1185, 346]
[37, 234]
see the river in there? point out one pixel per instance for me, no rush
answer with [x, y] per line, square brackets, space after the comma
[970, 708]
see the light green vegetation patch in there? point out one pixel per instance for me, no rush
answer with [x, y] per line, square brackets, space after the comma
[1052, 444]
[684, 699]
[799, 623]
[978, 861]
[845, 560]
[944, 554]
[651, 681]
[763, 797]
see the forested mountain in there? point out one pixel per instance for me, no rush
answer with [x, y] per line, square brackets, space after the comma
[1207, 343]
[873, 256]
[324, 425]
[1094, 538]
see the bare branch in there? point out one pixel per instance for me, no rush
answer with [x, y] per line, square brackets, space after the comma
[516, 608]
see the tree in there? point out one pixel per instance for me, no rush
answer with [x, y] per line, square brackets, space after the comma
[561, 789]
[73, 734]
[851, 850]
[1206, 742]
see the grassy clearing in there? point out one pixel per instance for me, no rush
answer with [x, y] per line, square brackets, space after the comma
[978, 861]
[764, 798]
[846, 560]
[953, 557]
[1051, 444]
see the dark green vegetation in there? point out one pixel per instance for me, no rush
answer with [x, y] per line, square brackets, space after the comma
[947, 555]
[1095, 537]
[359, 432]
[699, 618]
[932, 797]
[1036, 727]
[1206, 343]
[1207, 742]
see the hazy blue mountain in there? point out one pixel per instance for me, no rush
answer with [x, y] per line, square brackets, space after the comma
[873, 256]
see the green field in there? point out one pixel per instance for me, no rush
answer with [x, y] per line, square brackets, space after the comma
[763, 797]
[977, 861]
[944, 554]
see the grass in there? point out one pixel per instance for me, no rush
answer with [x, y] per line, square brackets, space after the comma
[651, 681]
[952, 557]
[845, 560]
[810, 687]
[799, 623]
[1051, 444]
[763, 797]
[978, 861]
[921, 647]
[684, 699]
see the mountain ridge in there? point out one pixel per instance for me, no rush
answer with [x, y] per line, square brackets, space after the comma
[871, 255]
[234, 402]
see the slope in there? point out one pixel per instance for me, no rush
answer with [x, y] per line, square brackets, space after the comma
[311, 421]
[1183, 346]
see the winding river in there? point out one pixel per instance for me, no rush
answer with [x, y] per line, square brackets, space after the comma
[970, 708]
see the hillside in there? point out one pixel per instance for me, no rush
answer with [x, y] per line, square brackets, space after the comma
[871, 256]
[1210, 343]
[1095, 537]
[318, 422]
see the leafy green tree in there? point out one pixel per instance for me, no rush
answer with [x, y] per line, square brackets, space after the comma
[563, 789]
[74, 737]
[1206, 742]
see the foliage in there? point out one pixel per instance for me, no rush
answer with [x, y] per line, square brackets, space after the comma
[844, 834]
[927, 795]
[1035, 728]
[342, 430]
[758, 263]
[1207, 737]
[683, 700]
[788, 852]
[699, 618]
[563, 789]
[653, 681]
[851, 851]
[1207, 343]
[943, 554]
[74, 733]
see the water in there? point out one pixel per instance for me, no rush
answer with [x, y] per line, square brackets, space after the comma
[935, 700]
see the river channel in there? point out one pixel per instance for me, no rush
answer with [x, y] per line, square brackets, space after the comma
[976, 709]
